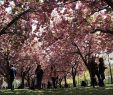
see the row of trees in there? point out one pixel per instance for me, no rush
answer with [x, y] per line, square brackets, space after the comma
[65, 33]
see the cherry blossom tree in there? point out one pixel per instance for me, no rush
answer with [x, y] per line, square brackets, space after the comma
[48, 31]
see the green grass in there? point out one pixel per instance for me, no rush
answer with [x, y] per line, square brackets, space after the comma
[62, 91]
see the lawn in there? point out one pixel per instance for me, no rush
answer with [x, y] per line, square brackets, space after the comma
[63, 91]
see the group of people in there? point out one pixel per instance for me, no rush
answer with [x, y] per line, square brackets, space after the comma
[97, 70]
[52, 82]
[38, 77]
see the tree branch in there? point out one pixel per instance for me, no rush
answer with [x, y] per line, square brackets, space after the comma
[110, 3]
[103, 31]
[80, 53]
[17, 17]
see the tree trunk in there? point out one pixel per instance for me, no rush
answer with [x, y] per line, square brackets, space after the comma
[65, 81]
[8, 82]
[22, 81]
[73, 72]
[28, 80]
[91, 81]
[7, 72]
[60, 83]
[74, 81]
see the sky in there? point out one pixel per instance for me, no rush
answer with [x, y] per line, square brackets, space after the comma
[1, 1]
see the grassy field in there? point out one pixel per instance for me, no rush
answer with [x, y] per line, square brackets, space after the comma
[63, 91]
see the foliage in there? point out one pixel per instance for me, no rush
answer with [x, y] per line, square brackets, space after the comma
[58, 32]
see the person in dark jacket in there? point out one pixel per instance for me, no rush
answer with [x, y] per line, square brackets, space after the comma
[94, 72]
[39, 76]
[12, 74]
[102, 70]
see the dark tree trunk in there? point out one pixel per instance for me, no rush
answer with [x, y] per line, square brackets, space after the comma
[7, 72]
[16, 18]
[65, 82]
[91, 77]
[74, 81]
[23, 75]
[60, 85]
[73, 76]
[8, 82]
[28, 80]
[22, 81]
[60, 82]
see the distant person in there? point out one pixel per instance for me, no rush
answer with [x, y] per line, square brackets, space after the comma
[49, 85]
[39, 76]
[32, 82]
[102, 70]
[94, 72]
[12, 74]
[53, 76]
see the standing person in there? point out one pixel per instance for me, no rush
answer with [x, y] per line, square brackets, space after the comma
[102, 70]
[12, 74]
[94, 72]
[32, 82]
[39, 76]
[53, 76]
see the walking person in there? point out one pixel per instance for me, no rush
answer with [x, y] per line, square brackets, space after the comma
[12, 74]
[39, 76]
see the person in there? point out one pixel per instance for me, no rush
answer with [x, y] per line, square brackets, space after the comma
[12, 74]
[102, 70]
[49, 85]
[95, 72]
[32, 82]
[39, 76]
[53, 76]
